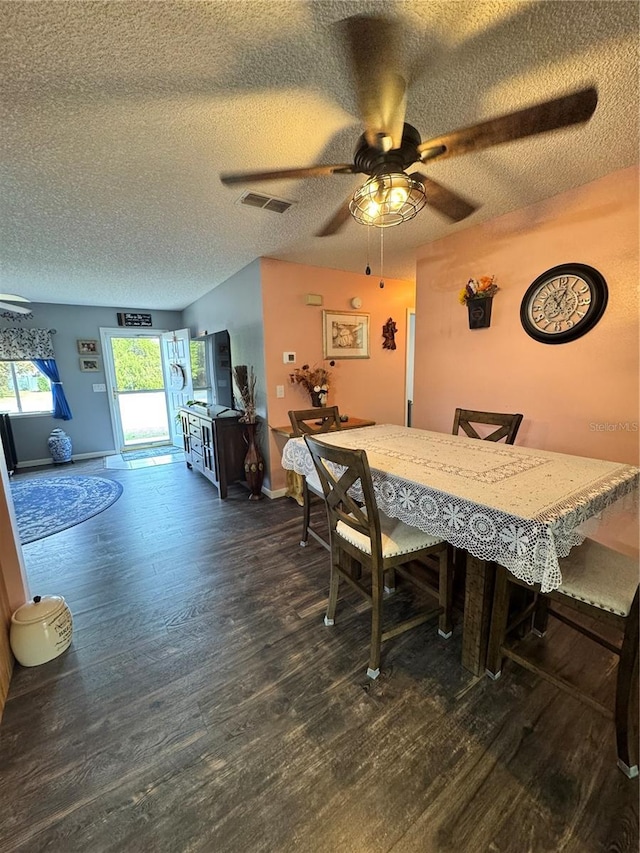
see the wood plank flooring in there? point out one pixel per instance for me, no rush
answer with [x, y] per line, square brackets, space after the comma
[204, 706]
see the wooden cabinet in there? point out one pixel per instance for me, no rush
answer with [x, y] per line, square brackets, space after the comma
[214, 446]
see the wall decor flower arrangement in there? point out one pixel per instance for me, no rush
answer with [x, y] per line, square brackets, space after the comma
[315, 380]
[477, 295]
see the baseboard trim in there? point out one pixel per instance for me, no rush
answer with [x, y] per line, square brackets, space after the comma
[32, 463]
[274, 493]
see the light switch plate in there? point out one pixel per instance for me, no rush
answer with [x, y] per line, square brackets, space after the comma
[99, 386]
[289, 357]
[279, 390]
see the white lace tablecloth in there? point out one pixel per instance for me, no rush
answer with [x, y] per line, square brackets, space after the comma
[516, 505]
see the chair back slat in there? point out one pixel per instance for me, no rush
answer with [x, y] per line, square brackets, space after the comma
[508, 425]
[341, 470]
[317, 420]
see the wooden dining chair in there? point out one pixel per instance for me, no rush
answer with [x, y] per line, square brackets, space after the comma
[507, 428]
[381, 545]
[507, 425]
[596, 582]
[308, 422]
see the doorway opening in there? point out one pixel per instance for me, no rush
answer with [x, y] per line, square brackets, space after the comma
[137, 397]
[411, 343]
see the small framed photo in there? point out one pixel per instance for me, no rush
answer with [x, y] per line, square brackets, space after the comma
[345, 334]
[88, 347]
[90, 364]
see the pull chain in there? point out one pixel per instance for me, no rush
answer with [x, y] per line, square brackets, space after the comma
[368, 269]
[381, 258]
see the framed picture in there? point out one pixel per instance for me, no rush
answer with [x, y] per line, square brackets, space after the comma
[90, 363]
[88, 347]
[345, 334]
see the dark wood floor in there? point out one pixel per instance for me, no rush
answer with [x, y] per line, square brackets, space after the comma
[204, 706]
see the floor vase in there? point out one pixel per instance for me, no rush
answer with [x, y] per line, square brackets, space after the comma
[59, 445]
[253, 463]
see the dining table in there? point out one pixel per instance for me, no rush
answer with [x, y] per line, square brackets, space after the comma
[521, 507]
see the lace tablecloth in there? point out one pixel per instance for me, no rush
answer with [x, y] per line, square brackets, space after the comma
[516, 505]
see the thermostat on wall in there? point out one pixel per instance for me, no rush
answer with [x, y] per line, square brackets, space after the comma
[289, 357]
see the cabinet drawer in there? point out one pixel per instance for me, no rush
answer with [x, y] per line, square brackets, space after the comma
[195, 444]
[196, 461]
[194, 419]
[195, 429]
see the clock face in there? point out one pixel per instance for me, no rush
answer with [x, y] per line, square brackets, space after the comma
[563, 303]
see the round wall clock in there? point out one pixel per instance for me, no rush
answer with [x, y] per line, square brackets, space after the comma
[563, 303]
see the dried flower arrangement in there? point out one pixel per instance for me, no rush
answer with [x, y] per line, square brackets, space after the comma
[315, 380]
[245, 379]
[479, 288]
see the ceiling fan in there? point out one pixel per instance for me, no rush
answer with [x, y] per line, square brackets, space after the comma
[389, 146]
[5, 304]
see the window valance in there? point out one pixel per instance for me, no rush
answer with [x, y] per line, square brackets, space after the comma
[25, 344]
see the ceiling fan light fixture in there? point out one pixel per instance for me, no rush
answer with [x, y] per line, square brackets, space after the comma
[387, 199]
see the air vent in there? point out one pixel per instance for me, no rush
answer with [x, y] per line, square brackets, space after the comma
[267, 202]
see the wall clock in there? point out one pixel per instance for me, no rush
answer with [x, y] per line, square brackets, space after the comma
[563, 303]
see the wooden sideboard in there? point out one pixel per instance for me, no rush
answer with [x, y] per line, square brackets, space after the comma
[352, 423]
[295, 481]
[214, 446]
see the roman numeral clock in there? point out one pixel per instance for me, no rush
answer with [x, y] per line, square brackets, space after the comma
[563, 303]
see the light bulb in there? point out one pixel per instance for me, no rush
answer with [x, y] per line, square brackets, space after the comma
[396, 197]
[373, 209]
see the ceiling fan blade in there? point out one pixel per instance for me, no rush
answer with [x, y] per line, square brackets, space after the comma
[229, 178]
[444, 200]
[339, 218]
[16, 309]
[551, 115]
[374, 47]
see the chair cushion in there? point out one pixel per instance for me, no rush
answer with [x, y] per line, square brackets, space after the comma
[599, 576]
[397, 537]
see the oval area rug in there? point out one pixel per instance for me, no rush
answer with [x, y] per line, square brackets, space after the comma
[48, 505]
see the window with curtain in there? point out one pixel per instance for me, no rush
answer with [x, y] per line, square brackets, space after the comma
[21, 352]
[24, 389]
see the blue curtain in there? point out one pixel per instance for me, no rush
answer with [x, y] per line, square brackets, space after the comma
[48, 366]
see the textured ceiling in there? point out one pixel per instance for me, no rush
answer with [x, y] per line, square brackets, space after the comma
[118, 117]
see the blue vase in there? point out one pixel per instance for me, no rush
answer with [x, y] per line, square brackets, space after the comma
[59, 445]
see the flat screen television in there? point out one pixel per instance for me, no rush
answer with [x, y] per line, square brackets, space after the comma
[222, 376]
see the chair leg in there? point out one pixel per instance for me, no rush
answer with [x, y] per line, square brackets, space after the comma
[626, 709]
[390, 580]
[541, 616]
[499, 620]
[376, 624]
[334, 585]
[306, 514]
[445, 593]
[350, 565]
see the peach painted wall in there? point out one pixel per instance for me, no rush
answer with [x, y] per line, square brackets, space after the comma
[576, 397]
[371, 388]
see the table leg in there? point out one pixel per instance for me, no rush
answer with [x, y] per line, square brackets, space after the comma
[478, 596]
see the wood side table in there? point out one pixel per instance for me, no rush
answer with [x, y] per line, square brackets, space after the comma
[294, 480]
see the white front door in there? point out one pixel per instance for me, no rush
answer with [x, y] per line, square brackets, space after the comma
[176, 363]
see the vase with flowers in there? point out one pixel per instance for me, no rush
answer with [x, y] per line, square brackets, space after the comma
[245, 380]
[315, 380]
[477, 295]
